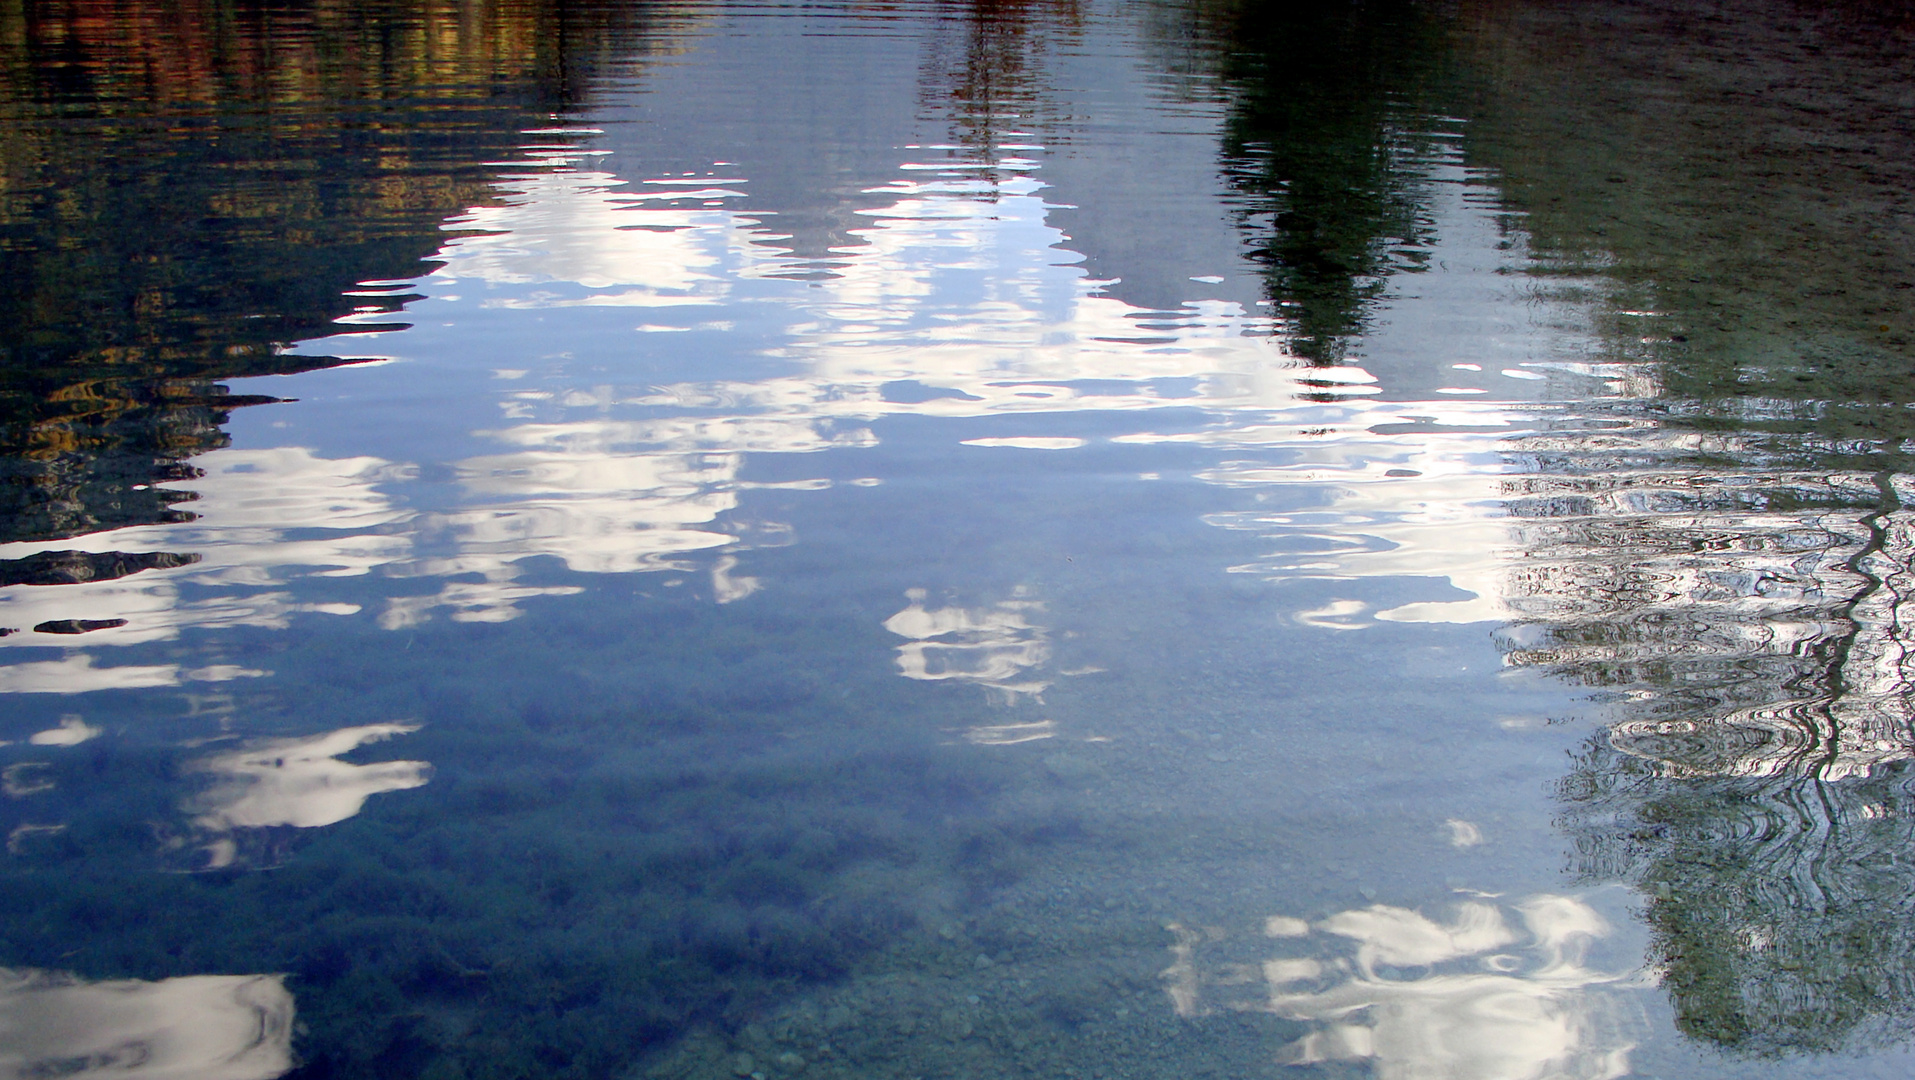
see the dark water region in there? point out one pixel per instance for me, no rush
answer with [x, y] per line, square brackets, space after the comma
[963, 539]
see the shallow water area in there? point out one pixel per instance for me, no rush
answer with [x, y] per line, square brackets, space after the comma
[1052, 539]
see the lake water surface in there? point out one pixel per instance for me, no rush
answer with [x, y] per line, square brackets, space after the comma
[1095, 539]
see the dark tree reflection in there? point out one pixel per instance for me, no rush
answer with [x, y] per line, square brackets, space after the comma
[1763, 265]
[1329, 105]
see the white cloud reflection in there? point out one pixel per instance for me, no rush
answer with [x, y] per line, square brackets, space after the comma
[78, 674]
[73, 731]
[959, 300]
[199, 1027]
[1470, 998]
[577, 226]
[297, 782]
[258, 515]
[995, 646]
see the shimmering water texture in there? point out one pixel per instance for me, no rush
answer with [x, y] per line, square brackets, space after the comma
[1171, 538]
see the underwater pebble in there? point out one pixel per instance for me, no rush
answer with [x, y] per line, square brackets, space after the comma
[741, 1064]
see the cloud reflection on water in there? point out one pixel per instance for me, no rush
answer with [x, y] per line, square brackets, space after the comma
[1755, 633]
[200, 1027]
[298, 782]
[996, 646]
[271, 517]
[1582, 523]
[1472, 998]
[958, 285]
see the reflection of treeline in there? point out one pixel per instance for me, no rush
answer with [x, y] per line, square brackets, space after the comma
[634, 827]
[184, 189]
[984, 66]
[116, 56]
[1782, 907]
[1328, 102]
[221, 176]
[1730, 563]
[1765, 265]
[92, 455]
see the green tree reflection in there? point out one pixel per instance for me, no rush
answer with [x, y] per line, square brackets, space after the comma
[1743, 601]
[1761, 266]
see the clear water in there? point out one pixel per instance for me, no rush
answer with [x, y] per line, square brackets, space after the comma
[1062, 539]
